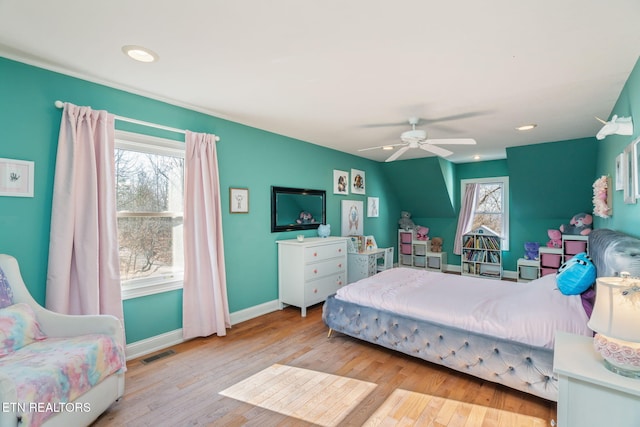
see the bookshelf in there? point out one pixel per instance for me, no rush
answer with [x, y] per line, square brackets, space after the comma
[482, 254]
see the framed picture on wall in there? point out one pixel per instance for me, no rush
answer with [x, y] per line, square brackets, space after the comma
[636, 166]
[238, 200]
[629, 175]
[373, 207]
[340, 182]
[357, 181]
[620, 172]
[16, 178]
[352, 218]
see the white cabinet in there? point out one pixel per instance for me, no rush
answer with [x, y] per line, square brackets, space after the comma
[310, 270]
[589, 395]
[482, 254]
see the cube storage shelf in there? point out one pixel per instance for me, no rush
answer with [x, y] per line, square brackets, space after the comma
[550, 259]
[417, 254]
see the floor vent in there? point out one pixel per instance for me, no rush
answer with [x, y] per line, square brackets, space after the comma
[158, 356]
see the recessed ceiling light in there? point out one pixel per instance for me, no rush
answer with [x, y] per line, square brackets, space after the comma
[387, 147]
[476, 157]
[527, 127]
[140, 53]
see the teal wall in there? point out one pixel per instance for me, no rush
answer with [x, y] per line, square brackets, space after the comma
[549, 183]
[626, 217]
[248, 157]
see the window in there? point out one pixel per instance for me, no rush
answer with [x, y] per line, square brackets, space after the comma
[492, 206]
[149, 193]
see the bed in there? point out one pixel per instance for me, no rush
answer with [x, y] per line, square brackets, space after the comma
[483, 338]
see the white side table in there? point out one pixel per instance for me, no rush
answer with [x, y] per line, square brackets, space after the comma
[589, 394]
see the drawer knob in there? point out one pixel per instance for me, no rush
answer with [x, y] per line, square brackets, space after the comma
[315, 254]
[339, 265]
[339, 249]
[315, 271]
[340, 283]
[315, 291]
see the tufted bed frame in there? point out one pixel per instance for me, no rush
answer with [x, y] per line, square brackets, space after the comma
[516, 365]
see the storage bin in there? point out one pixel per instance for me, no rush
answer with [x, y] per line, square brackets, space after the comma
[433, 262]
[419, 261]
[528, 272]
[419, 250]
[405, 249]
[405, 260]
[550, 260]
[406, 237]
[544, 271]
[572, 247]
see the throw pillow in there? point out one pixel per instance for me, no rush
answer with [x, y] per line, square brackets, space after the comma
[18, 327]
[6, 294]
[576, 275]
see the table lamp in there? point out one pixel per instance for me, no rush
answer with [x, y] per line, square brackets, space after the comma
[616, 321]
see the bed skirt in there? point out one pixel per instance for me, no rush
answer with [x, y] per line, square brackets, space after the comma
[518, 366]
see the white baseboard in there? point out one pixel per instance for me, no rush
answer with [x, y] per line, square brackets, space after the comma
[162, 341]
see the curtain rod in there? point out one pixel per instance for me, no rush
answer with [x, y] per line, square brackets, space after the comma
[60, 104]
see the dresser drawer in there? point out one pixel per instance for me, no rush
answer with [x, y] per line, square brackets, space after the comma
[318, 290]
[324, 268]
[321, 252]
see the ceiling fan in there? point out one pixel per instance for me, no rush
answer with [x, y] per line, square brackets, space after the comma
[417, 138]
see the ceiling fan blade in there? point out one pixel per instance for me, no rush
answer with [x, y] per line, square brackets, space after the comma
[454, 117]
[436, 150]
[381, 146]
[452, 141]
[384, 125]
[397, 154]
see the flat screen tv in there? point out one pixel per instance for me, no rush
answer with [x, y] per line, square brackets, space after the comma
[297, 208]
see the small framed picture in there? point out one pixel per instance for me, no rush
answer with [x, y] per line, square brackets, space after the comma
[340, 182]
[629, 171]
[636, 166]
[373, 207]
[620, 172]
[357, 181]
[16, 178]
[238, 200]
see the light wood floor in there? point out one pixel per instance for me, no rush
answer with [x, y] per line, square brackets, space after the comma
[182, 389]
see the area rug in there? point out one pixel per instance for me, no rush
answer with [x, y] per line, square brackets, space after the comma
[312, 396]
[408, 408]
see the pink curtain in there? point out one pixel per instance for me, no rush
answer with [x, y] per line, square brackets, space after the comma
[84, 271]
[205, 305]
[465, 220]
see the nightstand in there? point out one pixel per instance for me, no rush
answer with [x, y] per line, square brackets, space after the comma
[589, 395]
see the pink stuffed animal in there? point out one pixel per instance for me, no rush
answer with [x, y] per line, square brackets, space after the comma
[556, 239]
[422, 233]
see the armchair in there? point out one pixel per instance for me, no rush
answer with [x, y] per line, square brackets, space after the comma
[60, 340]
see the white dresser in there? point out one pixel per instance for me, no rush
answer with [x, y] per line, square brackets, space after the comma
[310, 270]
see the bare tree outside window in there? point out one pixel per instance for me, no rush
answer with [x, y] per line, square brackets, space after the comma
[149, 203]
[488, 210]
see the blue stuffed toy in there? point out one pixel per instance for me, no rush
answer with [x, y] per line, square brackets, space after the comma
[531, 250]
[576, 275]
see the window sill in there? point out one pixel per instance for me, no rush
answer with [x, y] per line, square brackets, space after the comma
[150, 289]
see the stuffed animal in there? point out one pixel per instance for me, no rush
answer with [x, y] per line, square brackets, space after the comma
[422, 233]
[405, 221]
[305, 218]
[556, 239]
[580, 224]
[531, 250]
[436, 244]
[576, 275]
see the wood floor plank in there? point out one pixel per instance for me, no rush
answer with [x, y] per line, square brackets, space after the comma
[183, 389]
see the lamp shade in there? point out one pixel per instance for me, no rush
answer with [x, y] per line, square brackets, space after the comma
[616, 312]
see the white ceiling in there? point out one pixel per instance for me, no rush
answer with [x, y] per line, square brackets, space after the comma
[327, 71]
